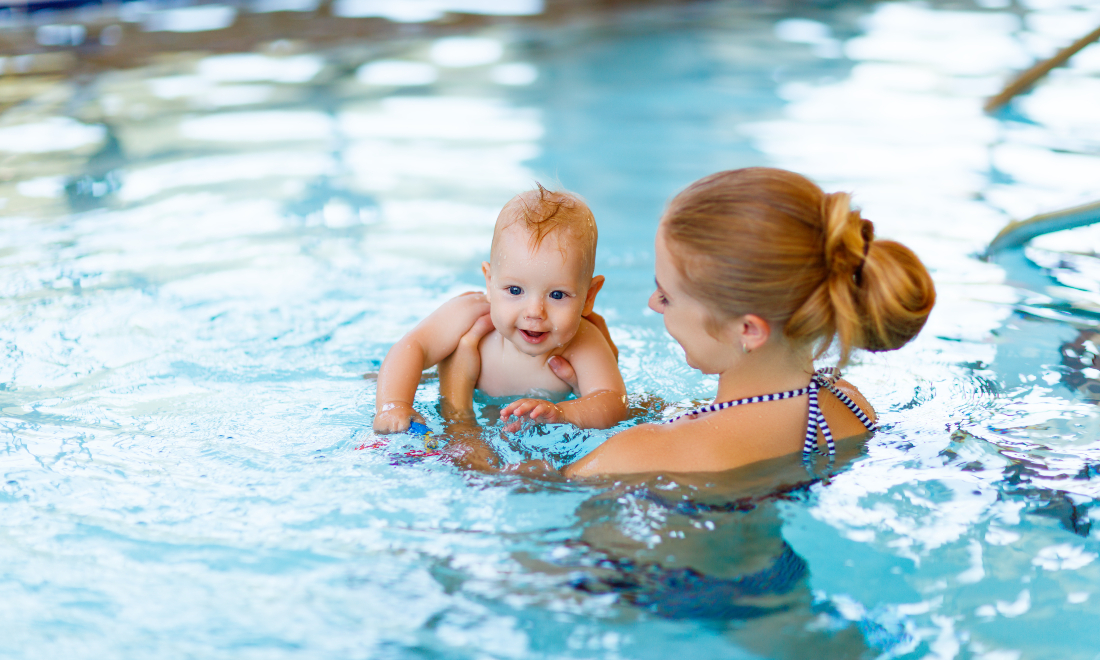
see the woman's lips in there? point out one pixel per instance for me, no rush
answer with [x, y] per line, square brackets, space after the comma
[533, 337]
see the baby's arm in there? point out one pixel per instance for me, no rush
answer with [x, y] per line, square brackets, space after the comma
[427, 344]
[602, 394]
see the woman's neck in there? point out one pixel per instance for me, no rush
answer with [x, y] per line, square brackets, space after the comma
[774, 367]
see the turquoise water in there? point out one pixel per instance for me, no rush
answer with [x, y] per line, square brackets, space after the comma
[203, 256]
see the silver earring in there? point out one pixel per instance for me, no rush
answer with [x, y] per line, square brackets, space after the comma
[744, 349]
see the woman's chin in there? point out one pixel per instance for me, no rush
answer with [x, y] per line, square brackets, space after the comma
[695, 365]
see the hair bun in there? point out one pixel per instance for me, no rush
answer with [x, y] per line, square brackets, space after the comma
[896, 296]
[877, 293]
[848, 235]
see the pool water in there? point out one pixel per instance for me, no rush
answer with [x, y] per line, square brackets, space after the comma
[202, 257]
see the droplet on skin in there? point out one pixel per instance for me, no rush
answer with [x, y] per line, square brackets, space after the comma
[388, 406]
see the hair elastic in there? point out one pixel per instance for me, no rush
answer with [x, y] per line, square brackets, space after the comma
[867, 231]
[859, 269]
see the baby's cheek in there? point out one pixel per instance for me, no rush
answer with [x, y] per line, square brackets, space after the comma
[567, 327]
[498, 310]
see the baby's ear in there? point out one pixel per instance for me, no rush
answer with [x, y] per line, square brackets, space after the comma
[593, 289]
[485, 270]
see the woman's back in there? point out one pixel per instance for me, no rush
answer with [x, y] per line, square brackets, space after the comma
[725, 439]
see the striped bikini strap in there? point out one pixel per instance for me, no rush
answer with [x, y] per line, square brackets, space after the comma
[853, 406]
[822, 378]
[816, 421]
[827, 378]
[790, 394]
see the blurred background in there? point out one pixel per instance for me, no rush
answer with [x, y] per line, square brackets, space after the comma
[216, 218]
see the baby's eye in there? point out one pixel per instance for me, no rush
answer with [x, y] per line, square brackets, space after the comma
[557, 295]
[515, 290]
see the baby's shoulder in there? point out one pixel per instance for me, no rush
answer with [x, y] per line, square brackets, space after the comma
[588, 338]
[492, 345]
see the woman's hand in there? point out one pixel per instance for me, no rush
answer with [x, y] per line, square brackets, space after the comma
[561, 367]
[537, 409]
[601, 325]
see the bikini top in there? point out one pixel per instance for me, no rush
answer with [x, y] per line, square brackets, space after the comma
[822, 378]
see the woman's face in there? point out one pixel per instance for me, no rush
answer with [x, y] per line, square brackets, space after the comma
[686, 317]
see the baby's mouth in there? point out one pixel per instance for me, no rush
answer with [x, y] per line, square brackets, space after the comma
[533, 337]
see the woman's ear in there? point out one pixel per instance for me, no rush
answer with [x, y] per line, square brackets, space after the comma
[755, 332]
[590, 298]
[486, 271]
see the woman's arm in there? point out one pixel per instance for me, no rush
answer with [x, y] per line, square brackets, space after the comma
[459, 371]
[639, 449]
[458, 375]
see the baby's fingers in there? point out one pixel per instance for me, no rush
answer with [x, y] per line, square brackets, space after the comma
[542, 409]
[547, 412]
[518, 408]
[385, 425]
[396, 420]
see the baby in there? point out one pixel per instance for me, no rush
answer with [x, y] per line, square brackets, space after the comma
[539, 286]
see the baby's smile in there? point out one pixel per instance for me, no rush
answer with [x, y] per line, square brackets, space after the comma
[533, 337]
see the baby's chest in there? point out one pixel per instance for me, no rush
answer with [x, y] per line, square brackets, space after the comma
[505, 374]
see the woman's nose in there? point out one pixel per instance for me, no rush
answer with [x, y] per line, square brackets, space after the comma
[653, 303]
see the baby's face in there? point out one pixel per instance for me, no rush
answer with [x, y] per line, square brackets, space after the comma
[536, 298]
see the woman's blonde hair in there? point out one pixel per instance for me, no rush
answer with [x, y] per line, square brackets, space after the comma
[770, 242]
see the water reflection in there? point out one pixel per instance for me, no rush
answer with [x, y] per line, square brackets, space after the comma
[51, 134]
[204, 254]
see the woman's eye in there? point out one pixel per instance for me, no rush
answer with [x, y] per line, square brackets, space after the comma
[515, 290]
[557, 295]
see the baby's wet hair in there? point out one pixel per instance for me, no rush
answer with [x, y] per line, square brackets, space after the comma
[543, 212]
[770, 242]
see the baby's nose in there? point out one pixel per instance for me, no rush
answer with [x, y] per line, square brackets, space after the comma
[534, 309]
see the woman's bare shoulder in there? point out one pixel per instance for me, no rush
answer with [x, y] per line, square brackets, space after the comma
[857, 397]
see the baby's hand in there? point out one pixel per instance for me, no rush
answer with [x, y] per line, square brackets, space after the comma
[395, 418]
[536, 409]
